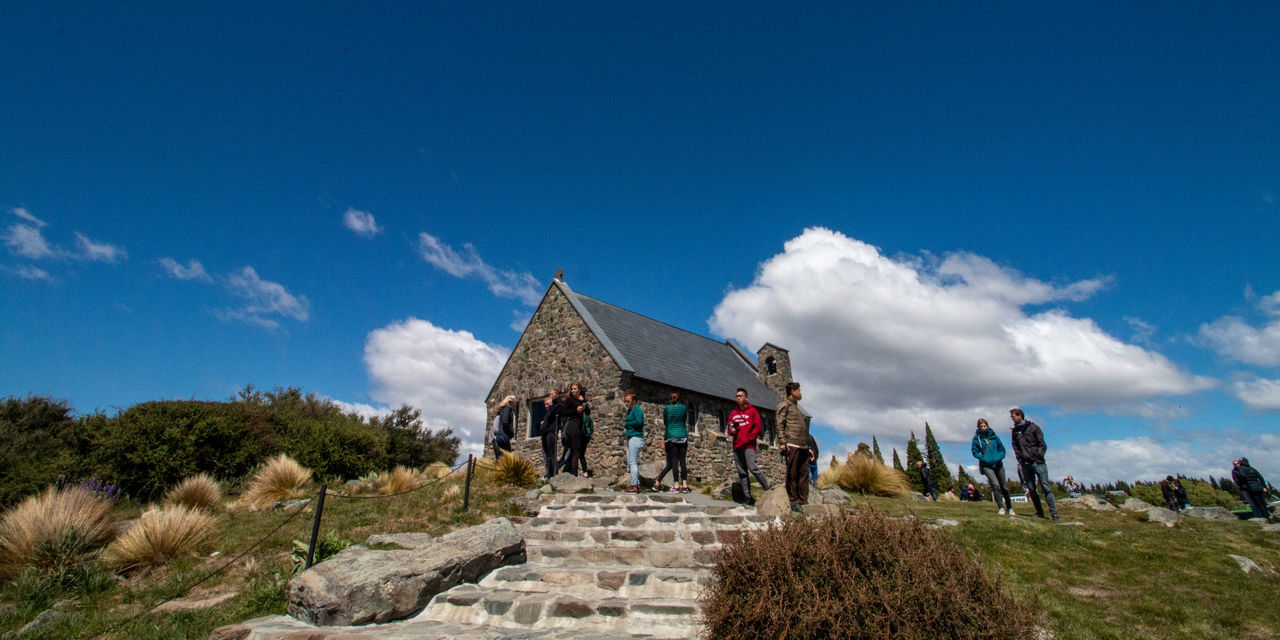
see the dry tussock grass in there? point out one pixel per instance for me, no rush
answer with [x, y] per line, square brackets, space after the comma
[511, 469]
[867, 476]
[454, 492]
[198, 492]
[401, 479]
[40, 520]
[279, 479]
[859, 576]
[437, 470]
[161, 535]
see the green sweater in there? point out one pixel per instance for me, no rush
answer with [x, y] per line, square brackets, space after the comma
[634, 422]
[673, 416]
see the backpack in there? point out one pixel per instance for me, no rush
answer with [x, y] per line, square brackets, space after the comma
[588, 425]
[495, 430]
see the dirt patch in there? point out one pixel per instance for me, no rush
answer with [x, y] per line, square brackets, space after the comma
[1090, 591]
[197, 600]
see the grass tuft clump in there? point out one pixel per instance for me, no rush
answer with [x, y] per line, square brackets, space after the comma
[511, 469]
[281, 478]
[867, 476]
[437, 470]
[197, 492]
[53, 531]
[161, 535]
[859, 576]
[400, 480]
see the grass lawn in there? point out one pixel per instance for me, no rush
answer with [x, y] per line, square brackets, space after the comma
[1114, 577]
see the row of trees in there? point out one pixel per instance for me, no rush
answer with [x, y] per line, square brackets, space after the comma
[150, 446]
[1211, 492]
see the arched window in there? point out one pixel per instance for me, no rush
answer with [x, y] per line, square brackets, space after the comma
[771, 365]
[690, 416]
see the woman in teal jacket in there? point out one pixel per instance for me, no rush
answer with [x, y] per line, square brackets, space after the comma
[676, 440]
[989, 451]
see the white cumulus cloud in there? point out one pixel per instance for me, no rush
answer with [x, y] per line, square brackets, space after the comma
[504, 284]
[444, 373]
[192, 271]
[1234, 338]
[1147, 458]
[880, 345]
[361, 222]
[1259, 394]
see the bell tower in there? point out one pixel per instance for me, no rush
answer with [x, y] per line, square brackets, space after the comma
[773, 367]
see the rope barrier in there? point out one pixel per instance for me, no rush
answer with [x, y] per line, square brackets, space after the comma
[401, 493]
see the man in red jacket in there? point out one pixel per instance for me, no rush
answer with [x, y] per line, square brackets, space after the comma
[744, 427]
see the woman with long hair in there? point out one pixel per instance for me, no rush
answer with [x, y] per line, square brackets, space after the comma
[989, 451]
[575, 407]
[677, 446]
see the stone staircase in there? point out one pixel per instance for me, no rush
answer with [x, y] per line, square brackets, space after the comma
[606, 565]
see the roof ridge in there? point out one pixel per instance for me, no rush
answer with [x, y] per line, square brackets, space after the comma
[667, 324]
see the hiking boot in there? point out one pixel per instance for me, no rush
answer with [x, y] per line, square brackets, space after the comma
[635, 488]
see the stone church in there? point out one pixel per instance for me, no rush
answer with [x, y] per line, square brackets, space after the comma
[574, 338]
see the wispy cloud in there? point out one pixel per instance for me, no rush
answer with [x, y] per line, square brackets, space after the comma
[193, 271]
[26, 215]
[468, 263]
[33, 273]
[361, 222]
[99, 251]
[1259, 394]
[265, 298]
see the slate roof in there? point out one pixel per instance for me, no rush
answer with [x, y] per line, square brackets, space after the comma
[661, 353]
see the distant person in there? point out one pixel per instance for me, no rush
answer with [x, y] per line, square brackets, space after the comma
[574, 408]
[989, 451]
[745, 427]
[927, 479]
[1252, 487]
[676, 440]
[1167, 492]
[1180, 492]
[971, 493]
[793, 436]
[633, 423]
[1074, 489]
[504, 428]
[813, 461]
[1029, 447]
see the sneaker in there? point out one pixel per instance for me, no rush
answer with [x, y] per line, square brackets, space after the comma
[632, 489]
[1000, 511]
[795, 508]
[1011, 511]
[673, 490]
[657, 487]
[686, 490]
[1057, 519]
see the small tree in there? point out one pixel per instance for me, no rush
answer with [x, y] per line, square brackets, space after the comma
[963, 479]
[897, 462]
[875, 446]
[913, 457]
[942, 481]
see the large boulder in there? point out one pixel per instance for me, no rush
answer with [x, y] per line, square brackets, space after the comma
[829, 496]
[1209, 513]
[773, 503]
[362, 586]
[569, 483]
[1164, 516]
[1134, 504]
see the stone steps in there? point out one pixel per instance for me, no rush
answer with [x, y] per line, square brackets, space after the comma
[648, 522]
[510, 609]
[628, 538]
[610, 582]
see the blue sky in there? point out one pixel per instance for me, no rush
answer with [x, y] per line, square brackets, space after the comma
[943, 211]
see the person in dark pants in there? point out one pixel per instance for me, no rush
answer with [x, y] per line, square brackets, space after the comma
[676, 441]
[550, 432]
[574, 406]
[744, 428]
[1167, 492]
[504, 427]
[1029, 448]
[989, 451]
[1252, 487]
[927, 479]
[793, 436]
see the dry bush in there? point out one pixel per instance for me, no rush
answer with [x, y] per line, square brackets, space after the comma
[831, 475]
[948, 496]
[279, 479]
[161, 535]
[452, 493]
[401, 479]
[68, 523]
[862, 576]
[198, 492]
[511, 469]
[437, 470]
[866, 475]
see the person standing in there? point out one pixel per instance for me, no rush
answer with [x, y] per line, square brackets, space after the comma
[1029, 448]
[989, 451]
[676, 441]
[574, 406]
[745, 427]
[1180, 492]
[504, 427]
[793, 435]
[550, 431]
[1167, 492]
[813, 461]
[927, 479]
[1074, 489]
[634, 435]
[1252, 486]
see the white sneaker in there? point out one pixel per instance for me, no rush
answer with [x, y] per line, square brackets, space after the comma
[1011, 511]
[1001, 511]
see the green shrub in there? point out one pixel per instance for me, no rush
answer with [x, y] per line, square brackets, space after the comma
[1199, 492]
[327, 546]
[859, 576]
[41, 442]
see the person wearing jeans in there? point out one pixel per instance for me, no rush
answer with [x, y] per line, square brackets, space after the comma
[634, 424]
[990, 453]
[1029, 448]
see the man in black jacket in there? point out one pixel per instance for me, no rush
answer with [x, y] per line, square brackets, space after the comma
[550, 431]
[1252, 487]
[1029, 447]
